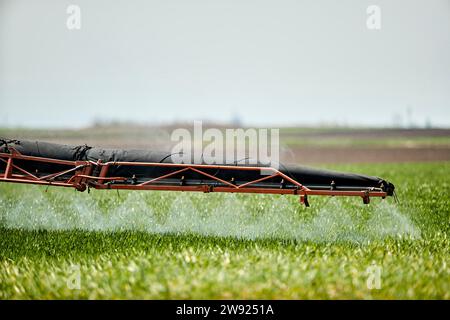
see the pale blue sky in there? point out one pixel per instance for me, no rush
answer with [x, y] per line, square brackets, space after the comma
[270, 62]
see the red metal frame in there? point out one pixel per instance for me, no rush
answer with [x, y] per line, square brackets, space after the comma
[82, 177]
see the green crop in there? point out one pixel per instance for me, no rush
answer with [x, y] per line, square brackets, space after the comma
[168, 245]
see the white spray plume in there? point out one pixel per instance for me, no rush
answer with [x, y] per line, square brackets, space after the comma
[276, 217]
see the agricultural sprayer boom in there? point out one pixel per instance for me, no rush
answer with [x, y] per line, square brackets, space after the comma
[83, 167]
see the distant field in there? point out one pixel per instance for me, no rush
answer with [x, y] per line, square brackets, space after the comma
[305, 145]
[391, 142]
[195, 246]
[344, 137]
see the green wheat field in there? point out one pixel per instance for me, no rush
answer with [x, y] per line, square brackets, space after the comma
[63, 244]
